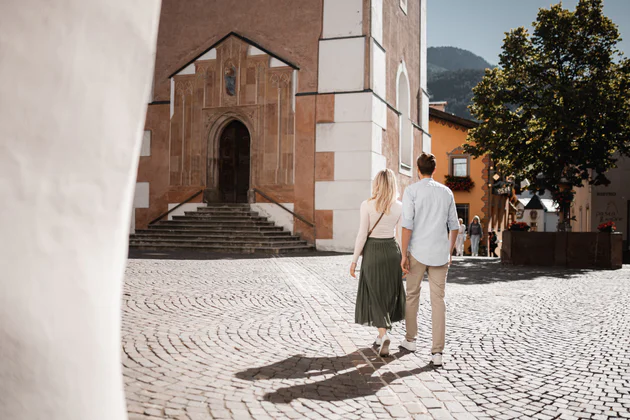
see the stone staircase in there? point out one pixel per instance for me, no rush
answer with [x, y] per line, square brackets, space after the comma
[224, 228]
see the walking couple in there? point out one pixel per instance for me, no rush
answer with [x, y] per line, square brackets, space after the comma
[426, 215]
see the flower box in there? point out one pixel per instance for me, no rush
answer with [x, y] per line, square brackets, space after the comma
[607, 227]
[519, 227]
[459, 183]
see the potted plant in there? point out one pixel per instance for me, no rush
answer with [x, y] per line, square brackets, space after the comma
[459, 183]
[519, 227]
[607, 227]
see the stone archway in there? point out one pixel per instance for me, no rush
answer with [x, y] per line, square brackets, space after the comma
[217, 122]
[234, 163]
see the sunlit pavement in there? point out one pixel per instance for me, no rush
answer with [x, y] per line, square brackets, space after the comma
[275, 338]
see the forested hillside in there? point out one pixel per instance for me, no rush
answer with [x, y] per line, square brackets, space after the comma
[452, 73]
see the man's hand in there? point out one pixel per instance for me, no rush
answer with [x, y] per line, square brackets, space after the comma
[353, 267]
[453, 242]
[404, 264]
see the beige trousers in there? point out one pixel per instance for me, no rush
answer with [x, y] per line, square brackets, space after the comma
[437, 284]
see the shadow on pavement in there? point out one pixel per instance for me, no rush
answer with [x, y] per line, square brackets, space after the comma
[491, 270]
[357, 380]
[195, 255]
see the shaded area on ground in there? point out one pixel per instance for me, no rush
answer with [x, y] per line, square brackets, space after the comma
[471, 271]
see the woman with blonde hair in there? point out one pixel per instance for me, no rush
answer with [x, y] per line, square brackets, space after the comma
[381, 295]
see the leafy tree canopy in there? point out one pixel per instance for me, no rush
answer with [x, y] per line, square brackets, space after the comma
[557, 109]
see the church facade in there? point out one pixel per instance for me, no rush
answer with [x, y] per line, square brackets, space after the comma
[297, 102]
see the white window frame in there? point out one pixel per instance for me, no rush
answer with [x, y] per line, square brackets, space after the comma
[404, 121]
[452, 164]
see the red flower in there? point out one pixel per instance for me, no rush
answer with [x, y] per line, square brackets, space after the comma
[459, 183]
[607, 227]
[519, 227]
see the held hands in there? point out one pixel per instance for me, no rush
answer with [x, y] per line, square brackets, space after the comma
[353, 267]
[404, 264]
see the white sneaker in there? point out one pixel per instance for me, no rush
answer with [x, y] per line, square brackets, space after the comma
[436, 358]
[377, 341]
[384, 348]
[408, 345]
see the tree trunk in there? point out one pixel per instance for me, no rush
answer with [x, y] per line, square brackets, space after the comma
[564, 219]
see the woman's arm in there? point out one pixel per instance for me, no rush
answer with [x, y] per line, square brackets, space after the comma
[363, 231]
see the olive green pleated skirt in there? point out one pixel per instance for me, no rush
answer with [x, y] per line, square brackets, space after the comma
[381, 294]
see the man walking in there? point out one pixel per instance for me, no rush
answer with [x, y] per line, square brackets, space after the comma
[428, 215]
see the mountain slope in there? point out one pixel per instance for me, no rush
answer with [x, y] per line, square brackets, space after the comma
[452, 74]
[453, 58]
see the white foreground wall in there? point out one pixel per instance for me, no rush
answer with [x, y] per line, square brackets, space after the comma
[75, 78]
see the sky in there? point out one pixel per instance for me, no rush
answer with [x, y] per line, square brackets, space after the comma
[479, 25]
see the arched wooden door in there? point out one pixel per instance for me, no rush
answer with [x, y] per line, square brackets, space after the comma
[234, 163]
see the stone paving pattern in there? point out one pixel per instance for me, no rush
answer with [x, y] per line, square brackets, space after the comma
[274, 338]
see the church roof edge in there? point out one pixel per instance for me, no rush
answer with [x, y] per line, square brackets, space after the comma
[242, 38]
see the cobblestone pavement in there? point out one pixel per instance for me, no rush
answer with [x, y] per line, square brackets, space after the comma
[274, 338]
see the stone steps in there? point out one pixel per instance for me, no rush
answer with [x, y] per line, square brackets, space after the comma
[227, 249]
[212, 223]
[219, 218]
[200, 233]
[224, 228]
[216, 227]
[173, 238]
[226, 205]
[220, 243]
[225, 210]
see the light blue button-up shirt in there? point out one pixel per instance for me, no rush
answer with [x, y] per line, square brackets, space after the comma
[429, 212]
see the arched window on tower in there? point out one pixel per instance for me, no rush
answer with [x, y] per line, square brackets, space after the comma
[403, 103]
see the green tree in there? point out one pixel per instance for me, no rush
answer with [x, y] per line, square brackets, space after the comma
[557, 109]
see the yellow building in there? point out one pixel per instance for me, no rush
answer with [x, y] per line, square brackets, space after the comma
[465, 175]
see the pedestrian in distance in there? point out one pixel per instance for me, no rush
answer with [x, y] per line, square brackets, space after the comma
[381, 294]
[475, 230]
[461, 238]
[430, 230]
